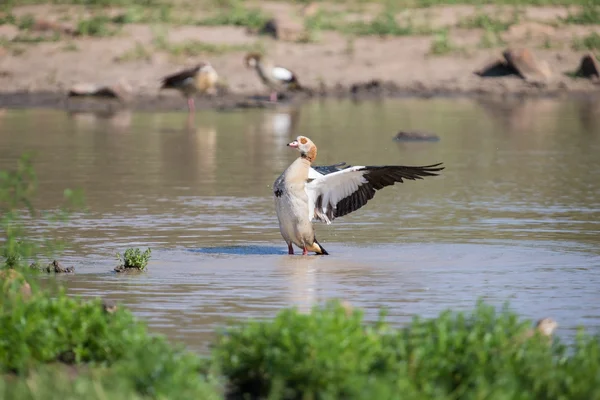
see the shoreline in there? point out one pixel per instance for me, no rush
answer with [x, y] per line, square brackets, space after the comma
[429, 52]
[145, 102]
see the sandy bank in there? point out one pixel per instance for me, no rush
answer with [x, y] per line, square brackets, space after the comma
[39, 73]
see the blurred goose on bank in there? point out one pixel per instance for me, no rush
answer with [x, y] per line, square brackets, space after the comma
[121, 91]
[199, 79]
[274, 77]
[304, 193]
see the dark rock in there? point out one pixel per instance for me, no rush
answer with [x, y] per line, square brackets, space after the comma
[589, 67]
[416, 136]
[496, 68]
[528, 67]
[519, 62]
[57, 268]
[284, 29]
[121, 268]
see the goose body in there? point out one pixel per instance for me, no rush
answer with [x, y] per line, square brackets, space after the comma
[304, 193]
[200, 79]
[275, 77]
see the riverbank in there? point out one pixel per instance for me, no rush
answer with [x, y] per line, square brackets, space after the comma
[336, 51]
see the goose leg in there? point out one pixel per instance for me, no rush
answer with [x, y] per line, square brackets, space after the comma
[273, 97]
[304, 251]
[290, 249]
[191, 104]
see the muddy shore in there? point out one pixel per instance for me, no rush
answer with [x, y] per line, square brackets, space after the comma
[39, 73]
[233, 101]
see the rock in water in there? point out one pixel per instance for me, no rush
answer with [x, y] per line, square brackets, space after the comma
[416, 136]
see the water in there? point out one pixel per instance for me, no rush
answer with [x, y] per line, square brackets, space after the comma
[514, 217]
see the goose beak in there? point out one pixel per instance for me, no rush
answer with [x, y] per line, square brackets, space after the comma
[293, 144]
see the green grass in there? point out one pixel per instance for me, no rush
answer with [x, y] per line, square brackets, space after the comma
[163, 13]
[193, 48]
[383, 24]
[589, 14]
[235, 13]
[98, 25]
[589, 42]
[29, 38]
[490, 23]
[441, 44]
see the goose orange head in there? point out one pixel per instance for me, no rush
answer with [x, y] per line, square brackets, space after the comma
[306, 147]
[251, 59]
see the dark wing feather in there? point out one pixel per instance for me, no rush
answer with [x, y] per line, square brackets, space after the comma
[328, 169]
[176, 80]
[377, 177]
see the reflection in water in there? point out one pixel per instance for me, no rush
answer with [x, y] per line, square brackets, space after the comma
[119, 119]
[283, 124]
[515, 215]
[302, 275]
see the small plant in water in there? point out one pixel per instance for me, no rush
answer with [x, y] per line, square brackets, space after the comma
[133, 259]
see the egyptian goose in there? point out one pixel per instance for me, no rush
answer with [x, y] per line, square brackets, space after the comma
[304, 193]
[274, 77]
[200, 79]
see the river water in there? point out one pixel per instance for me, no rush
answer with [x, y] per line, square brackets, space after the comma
[515, 216]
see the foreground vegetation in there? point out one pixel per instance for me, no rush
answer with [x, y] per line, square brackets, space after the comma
[57, 346]
[62, 346]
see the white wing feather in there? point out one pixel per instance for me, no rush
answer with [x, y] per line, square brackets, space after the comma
[314, 174]
[333, 188]
[282, 74]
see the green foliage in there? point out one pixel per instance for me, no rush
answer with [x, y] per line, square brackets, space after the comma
[441, 44]
[488, 22]
[589, 14]
[324, 21]
[51, 330]
[7, 18]
[26, 22]
[309, 354]
[55, 328]
[589, 42]
[98, 25]
[383, 24]
[134, 258]
[56, 346]
[17, 189]
[330, 353]
[138, 14]
[234, 12]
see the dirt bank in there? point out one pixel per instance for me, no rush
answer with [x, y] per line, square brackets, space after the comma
[38, 72]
